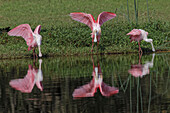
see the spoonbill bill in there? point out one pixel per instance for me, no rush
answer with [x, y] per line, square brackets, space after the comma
[138, 35]
[33, 39]
[95, 26]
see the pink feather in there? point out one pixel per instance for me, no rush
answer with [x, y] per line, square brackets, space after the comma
[136, 70]
[37, 29]
[86, 90]
[105, 16]
[23, 30]
[135, 32]
[108, 90]
[83, 18]
[135, 35]
[39, 85]
[26, 84]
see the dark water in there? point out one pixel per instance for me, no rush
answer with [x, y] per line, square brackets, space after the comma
[90, 84]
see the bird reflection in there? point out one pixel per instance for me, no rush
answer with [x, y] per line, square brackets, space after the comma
[34, 76]
[89, 89]
[139, 70]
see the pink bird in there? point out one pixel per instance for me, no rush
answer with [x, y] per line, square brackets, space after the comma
[89, 89]
[138, 35]
[26, 84]
[95, 26]
[33, 39]
[139, 70]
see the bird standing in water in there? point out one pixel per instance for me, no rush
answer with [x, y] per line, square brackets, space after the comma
[95, 26]
[33, 39]
[138, 35]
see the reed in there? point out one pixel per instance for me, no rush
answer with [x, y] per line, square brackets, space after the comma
[148, 11]
[128, 11]
[136, 10]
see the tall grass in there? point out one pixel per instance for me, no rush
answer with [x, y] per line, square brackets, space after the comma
[128, 11]
[136, 10]
[148, 11]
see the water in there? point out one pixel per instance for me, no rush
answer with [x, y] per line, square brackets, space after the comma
[90, 84]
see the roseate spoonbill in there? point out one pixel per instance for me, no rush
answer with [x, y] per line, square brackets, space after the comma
[95, 26]
[25, 85]
[33, 39]
[89, 89]
[138, 35]
[139, 70]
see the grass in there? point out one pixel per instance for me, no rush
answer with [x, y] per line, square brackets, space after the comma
[64, 36]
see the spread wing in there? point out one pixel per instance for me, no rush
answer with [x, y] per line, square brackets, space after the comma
[37, 29]
[26, 84]
[105, 16]
[108, 90]
[83, 18]
[86, 90]
[23, 30]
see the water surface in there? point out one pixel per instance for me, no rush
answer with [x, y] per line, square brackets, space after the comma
[90, 84]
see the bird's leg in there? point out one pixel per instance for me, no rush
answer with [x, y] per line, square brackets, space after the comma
[92, 46]
[34, 54]
[140, 50]
[97, 45]
[140, 55]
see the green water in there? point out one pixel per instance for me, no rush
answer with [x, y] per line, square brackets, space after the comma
[53, 83]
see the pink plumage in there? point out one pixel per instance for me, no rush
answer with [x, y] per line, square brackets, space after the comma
[138, 35]
[105, 16]
[86, 90]
[23, 30]
[37, 29]
[32, 39]
[135, 35]
[94, 25]
[136, 70]
[108, 90]
[88, 19]
[83, 18]
[89, 89]
[26, 84]
[135, 32]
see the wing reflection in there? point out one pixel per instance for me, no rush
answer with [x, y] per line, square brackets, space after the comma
[25, 85]
[88, 90]
[139, 70]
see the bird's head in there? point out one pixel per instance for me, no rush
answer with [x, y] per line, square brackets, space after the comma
[96, 29]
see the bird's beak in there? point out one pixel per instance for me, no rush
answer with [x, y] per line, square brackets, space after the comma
[40, 55]
[153, 49]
